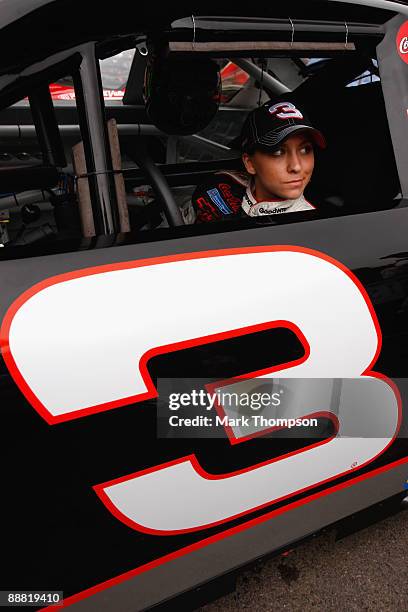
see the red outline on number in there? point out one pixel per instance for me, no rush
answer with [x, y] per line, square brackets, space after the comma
[151, 390]
[261, 432]
[211, 388]
[111, 582]
[20, 382]
[99, 489]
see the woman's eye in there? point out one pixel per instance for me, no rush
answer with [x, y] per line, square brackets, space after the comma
[278, 152]
[306, 149]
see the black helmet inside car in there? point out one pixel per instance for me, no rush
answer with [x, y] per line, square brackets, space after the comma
[182, 92]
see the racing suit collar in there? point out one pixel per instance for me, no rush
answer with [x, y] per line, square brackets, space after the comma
[254, 208]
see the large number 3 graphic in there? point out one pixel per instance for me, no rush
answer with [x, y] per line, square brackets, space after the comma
[116, 317]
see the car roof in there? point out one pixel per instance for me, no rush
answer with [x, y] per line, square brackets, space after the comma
[31, 30]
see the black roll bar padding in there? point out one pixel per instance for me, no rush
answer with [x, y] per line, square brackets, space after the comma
[160, 185]
[94, 133]
[46, 126]
[134, 87]
[211, 29]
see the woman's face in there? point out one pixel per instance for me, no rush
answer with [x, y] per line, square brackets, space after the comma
[283, 173]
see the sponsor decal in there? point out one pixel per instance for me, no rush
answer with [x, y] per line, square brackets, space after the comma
[264, 211]
[402, 42]
[64, 92]
[227, 193]
[206, 210]
[219, 201]
[203, 203]
[254, 210]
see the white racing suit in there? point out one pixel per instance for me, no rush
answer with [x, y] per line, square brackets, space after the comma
[229, 194]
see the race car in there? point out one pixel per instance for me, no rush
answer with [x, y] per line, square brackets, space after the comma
[130, 479]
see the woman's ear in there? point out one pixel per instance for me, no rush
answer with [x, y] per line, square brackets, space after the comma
[249, 166]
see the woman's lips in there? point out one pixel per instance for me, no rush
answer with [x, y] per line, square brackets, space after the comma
[294, 183]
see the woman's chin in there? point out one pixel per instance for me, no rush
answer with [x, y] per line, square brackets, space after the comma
[292, 194]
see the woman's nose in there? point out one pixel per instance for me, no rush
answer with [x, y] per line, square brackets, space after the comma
[294, 162]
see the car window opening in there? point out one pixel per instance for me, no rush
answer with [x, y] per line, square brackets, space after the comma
[158, 170]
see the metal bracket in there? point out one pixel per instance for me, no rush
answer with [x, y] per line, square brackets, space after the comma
[194, 32]
[142, 48]
[293, 32]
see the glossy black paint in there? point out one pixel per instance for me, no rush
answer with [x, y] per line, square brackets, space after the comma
[52, 468]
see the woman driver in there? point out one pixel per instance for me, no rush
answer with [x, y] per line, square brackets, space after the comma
[277, 143]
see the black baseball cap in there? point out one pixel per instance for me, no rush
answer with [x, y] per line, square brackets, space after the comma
[268, 125]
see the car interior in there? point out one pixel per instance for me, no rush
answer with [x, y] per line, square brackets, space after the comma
[168, 132]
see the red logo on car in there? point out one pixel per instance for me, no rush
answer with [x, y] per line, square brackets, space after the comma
[402, 42]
